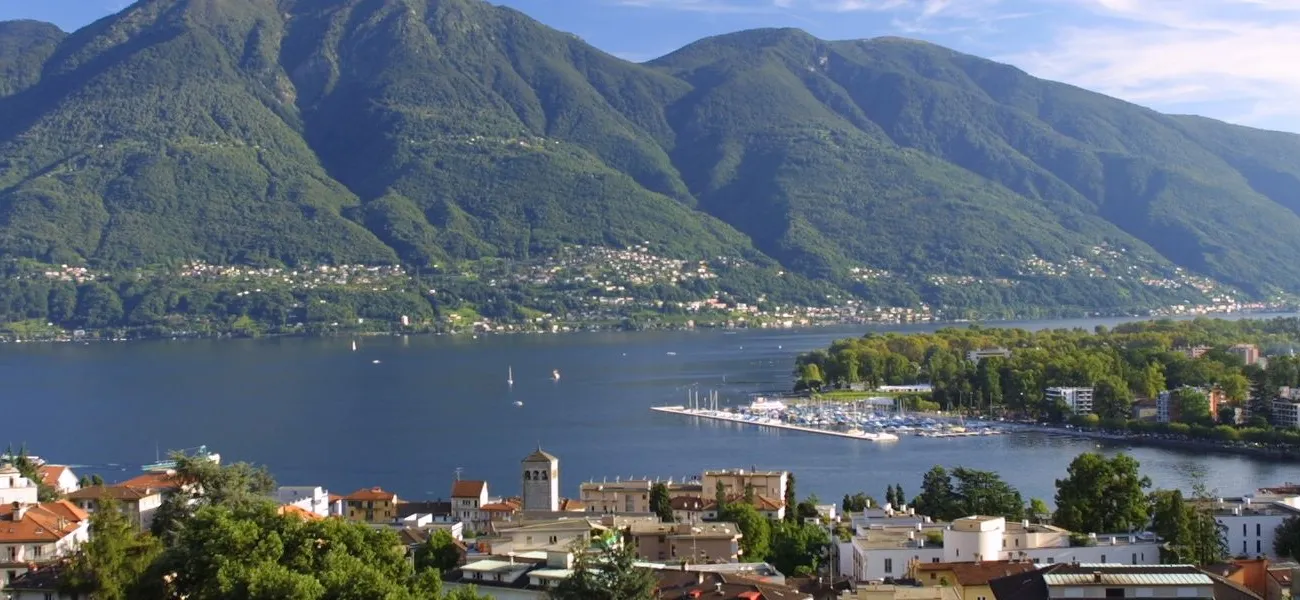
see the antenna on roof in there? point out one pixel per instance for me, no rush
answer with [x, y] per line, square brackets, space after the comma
[458, 470]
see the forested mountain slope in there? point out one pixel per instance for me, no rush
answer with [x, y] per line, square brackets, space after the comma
[430, 131]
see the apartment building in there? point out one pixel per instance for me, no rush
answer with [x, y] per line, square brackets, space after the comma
[1079, 399]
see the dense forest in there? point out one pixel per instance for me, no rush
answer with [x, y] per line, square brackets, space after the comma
[426, 132]
[1129, 362]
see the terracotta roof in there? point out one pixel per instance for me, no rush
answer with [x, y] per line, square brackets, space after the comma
[468, 489]
[300, 512]
[335, 498]
[506, 506]
[96, 492]
[1282, 576]
[689, 584]
[50, 474]
[165, 481]
[687, 503]
[761, 503]
[47, 522]
[571, 505]
[978, 573]
[370, 494]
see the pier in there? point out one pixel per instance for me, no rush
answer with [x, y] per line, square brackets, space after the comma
[719, 415]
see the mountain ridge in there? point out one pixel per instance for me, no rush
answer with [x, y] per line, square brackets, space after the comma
[432, 131]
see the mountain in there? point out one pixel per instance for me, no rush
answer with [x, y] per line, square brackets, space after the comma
[429, 131]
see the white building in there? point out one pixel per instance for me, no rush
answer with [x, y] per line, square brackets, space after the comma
[889, 551]
[313, 499]
[1286, 413]
[16, 488]
[1079, 399]
[978, 355]
[1249, 523]
[467, 497]
[60, 477]
[541, 481]
[38, 534]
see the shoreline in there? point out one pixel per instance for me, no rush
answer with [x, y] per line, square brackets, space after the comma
[598, 328]
[1172, 443]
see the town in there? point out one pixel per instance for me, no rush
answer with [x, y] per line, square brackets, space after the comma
[573, 289]
[726, 533]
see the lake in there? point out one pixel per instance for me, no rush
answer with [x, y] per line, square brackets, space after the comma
[319, 414]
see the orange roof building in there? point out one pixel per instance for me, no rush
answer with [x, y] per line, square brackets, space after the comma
[40, 533]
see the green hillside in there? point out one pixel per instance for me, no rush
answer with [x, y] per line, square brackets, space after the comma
[427, 132]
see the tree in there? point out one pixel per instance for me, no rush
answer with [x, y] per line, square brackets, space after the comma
[1151, 380]
[110, 565]
[984, 493]
[1236, 387]
[791, 501]
[660, 503]
[32, 471]
[251, 551]
[889, 496]
[720, 497]
[438, 552]
[797, 547]
[610, 574]
[857, 502]
[898, 495]
[749, 493]
[1112, 399]
[207, 483]
[1193, 406]
[1037, 510]
[1102, 495]
[1286, 540]
[90, 481]
[755, 530]
[937, 494]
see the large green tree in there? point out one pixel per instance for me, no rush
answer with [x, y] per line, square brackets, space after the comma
[985, 493]
[1286, 539]
[1102, 494]
[660, 502]
[798, 548]
[1191, 534]
[207, 483]
[937, 498]
[438, 552]
[610, 573]
[1112, 399]
[755, 530]
[110, 566]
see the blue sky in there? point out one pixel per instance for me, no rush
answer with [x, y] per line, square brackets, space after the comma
[1230, 59]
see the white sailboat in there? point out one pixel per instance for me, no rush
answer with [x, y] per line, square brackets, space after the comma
[354, 345]
[510, 375]
[555, 375]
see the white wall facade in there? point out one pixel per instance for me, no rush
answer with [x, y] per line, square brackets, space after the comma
[16, 488]
[1251, 534]
[313, 499]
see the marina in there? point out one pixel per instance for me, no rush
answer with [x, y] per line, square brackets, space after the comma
[873, 419]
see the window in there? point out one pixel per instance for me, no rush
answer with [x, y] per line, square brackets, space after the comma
[935, 559]
[1135, 558]
[1257, 548]
[1243, 547]
[13, 553]
[1257, 529]
[49, 596]
[889, 565]
[37, 551]
[932, 575]
[554, 539]
[1114, 592]
[1243, 530]
[1103, 559]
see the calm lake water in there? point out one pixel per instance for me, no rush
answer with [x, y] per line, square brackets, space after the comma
[318, 414]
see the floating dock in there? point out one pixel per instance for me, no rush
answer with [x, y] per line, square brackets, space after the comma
[719, 415]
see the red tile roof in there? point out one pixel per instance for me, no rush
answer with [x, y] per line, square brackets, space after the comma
[761, 503]
[47, 522]
[50, 474]
[500, 507]
[167, 481]
[979, 573]
[571, 505]
[371, 494]
[468, 489]
[97, 492]
[300, 512]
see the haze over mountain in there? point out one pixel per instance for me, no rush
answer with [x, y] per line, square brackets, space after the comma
[426, 131]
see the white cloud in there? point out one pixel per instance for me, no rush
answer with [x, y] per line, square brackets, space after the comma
[1237, 54]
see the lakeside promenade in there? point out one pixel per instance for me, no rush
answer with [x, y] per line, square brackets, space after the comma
[719, 415]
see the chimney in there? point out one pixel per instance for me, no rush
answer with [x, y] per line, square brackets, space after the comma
[1096, 576]
[20, 511]
[1025, 523]
[919, 527]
